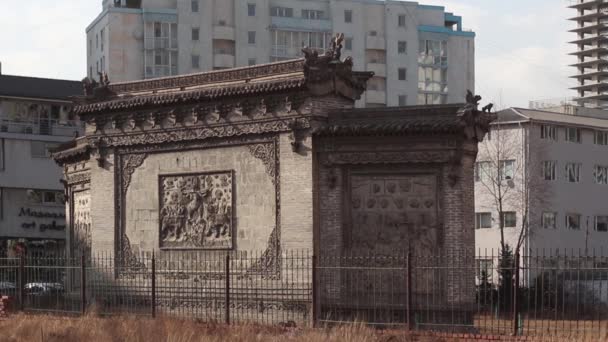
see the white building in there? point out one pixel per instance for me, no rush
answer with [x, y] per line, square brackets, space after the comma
[34, 117]
[561, 157]
[420, 54]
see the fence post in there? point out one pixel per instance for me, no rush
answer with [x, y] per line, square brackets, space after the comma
[83, 284]
[227, 301]
[515, 295]
[408, 289]
[21, 282]
[315, 294]
[153, 286]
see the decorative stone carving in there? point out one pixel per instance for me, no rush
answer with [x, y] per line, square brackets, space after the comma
[82, 177]
[391, 213]
[266, 153]
[200, 133]
[80, 234]
[387, 157]
[196, 211]
[130, 162]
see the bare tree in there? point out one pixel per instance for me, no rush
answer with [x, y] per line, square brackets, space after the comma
[510, 174]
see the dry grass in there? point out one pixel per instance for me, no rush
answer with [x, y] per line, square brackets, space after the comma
[129, 328]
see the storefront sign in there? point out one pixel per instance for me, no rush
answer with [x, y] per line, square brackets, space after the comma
[40, 214]
[43, 226]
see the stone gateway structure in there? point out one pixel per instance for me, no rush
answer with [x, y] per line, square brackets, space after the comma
[270, 158]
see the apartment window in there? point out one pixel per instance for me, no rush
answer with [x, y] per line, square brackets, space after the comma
[281, 12]
[549, 167]
[251, 61]
[90, 47]
[600, 174]
[97, 66]
[573, 134]
[507, 169]
[251, 37]
[101, 38]
[509, 219]
[194, 5]
[348, 44]
[251, 10]
[573, 221]
[601, 223]
[600, 138]
[548, 220]
[91, 72]
[482, 171]
[402, 100]
[402, 74]
[483, 220]
[312, 14]
[401, 20]
[348, 16]
[195, 33]
[97, 41]
[402, 47]
[373, 33]
[573, 172]
[158, 30]
[195, 61]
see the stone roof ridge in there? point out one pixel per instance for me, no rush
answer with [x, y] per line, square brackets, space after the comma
[210, 77]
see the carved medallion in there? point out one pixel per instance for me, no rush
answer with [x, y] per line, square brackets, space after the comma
[196, 211]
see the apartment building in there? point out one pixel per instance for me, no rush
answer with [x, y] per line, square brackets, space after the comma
[591, 51]
[554, 170]
[34, 118]
[420, 54]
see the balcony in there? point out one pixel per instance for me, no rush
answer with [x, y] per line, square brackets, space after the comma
[590, 52]
[224, 32]
[160, 43]
[375, 96]
[375, 42]
[223, 58]
[301, 24]
[584, 4]
[41, 127]
[378, 68]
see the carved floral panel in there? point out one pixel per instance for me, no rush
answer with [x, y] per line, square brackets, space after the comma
[196, 211]
[81, 223]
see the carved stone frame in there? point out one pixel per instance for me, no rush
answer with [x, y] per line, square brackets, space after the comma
[127, 159]
[390, 169]
[233, 218]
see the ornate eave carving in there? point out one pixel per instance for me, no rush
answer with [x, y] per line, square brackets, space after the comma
[202, 133]
[77, 178]
[387, 157]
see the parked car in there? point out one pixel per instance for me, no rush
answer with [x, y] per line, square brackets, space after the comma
[7, 287]
[43, 289]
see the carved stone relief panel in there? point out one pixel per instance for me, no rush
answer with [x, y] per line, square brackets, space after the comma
[393, 212]
[81, 223]
[196, 210]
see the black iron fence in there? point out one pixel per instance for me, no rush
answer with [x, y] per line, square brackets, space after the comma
[534, 294]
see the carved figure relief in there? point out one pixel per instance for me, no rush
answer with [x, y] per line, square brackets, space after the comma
[196, 211]
[81, 223]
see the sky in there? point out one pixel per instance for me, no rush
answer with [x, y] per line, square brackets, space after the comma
[521, 45]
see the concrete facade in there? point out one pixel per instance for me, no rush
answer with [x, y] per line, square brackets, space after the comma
[420, 54]
[32, 123]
